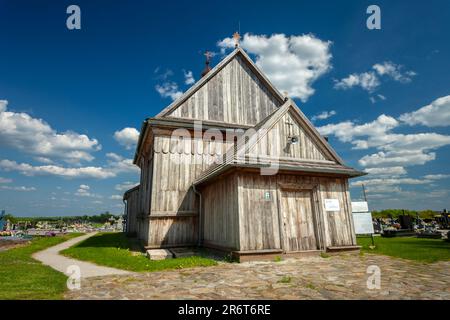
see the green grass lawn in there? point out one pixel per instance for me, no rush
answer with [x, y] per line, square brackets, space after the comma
[22, 277]
[113, 250]
[425, 250]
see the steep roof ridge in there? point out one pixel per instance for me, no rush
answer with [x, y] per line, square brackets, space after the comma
[175, 104]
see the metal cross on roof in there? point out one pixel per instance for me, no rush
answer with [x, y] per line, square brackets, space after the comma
[208, 55]
[236, 37]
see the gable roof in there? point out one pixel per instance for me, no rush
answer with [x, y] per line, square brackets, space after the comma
[213, 72]
[192, 90]
[230, 158]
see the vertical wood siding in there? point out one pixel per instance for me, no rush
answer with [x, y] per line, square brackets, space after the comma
[176, 164]
[298, 217]
[176, 167]
[274, 143]
[234, 95]
[169, 231]
[132, 210]
[220, 213]
[259, 226]
[258, 218]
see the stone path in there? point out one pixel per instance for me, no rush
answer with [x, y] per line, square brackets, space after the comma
[337, 277]
[52, 258]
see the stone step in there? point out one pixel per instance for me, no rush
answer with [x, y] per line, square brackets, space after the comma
[159, 254]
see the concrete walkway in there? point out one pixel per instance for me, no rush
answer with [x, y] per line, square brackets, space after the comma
[52, 258]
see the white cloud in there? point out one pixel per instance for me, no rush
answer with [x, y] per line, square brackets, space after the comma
[397, 158]
[437, 176]
[394, 71]
[371, 80]
[392, 182]
[292, 63]
[5, 180]
[373, 191]
[127, 137]
[119, 164]
[21, 188]
[83, 191]
[347, 131]
[116, 197]
[436, 114]
[378, 97]
[386, 171]
[367, 80]
[34, 136]
[188, 77]
[112, 169]
[394, 149]
[43, 160]
[168, 89]
[323, 115]
[79, 172]
[125, 186]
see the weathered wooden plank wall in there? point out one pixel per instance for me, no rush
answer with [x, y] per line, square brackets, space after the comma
[337, 225]
[170, 231]
[258, 217]
[176, 164]
[234, 95]
[176, 167]
[132, 210]
[259, 223]
[220, 213]
[274, 143]
[298, 214]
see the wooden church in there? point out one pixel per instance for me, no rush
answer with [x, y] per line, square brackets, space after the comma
[234, 165]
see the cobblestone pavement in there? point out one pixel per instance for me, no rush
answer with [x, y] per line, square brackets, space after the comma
[337, 277]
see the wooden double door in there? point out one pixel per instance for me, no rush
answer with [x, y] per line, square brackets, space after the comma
[298, 220]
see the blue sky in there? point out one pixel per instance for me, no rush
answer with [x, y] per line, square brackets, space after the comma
[65, 93]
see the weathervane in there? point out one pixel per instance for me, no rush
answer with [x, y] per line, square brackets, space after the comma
[236, 37]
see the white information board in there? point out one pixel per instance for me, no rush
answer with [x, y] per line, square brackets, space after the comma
[360, 206]
[363, 222]
[332, 205]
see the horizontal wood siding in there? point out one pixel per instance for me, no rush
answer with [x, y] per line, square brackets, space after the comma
[220, 214]
[234, 95]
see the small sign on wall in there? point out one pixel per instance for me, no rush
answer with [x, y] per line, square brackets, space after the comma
[332, 205]
[267, 196]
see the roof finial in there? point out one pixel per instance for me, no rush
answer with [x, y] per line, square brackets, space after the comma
[208, 56]
[236, 37]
